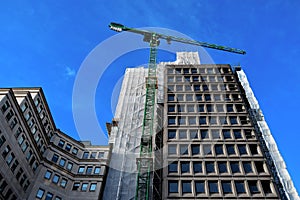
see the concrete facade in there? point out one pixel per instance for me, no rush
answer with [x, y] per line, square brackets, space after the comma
[38, 161]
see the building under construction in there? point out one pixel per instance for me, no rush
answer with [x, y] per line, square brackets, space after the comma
[210, 138]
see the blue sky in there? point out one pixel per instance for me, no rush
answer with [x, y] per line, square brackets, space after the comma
[43, 43]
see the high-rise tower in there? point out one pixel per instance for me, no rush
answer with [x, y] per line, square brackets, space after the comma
[211, 138]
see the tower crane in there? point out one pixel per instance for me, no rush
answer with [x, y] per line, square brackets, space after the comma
[145, 160]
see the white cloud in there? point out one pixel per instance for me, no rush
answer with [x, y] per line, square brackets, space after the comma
[70, 72]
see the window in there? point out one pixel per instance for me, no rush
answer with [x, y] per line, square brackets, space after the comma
[48, 174]
[200, 108]
[55, 178]
[218, 98]
[222, 167]
[55, 158]
[93, 187]
[253, 149]
[253, 187]
[85, 155]
[193, 134]
[18, 132]
[192, 120]
[237, 134]
[184, 149]
[40, 193]
[210, 167]
[188, 87]
[69, 166]
[62, 162]
[173, 187]
[27, 116]
[185, 167]
[182, 134]
[97, 170]
[5, 106]
[229, 107]
[247, 167]
[172, 149]
[74, 151]
[219, 149]
[186, 187]
[202, 120]
[212, 120]
[10, 158]
[171, 108]
[179, 97]
[223, 120]
[171, 97]
[195, 149]
[181, 120]
[63, 182]
[235, 168]
[207, 149]
[101, 155]
[213, 187]
[204, 134]
[215, 134]
[171, 134]
[76, 185]
[28, 155]
[81, 170]
[6, 151]
[230, 149]
[240, 187]
[266, 186]
[84, 186]
[24, 146]
[93, 155]
[196, 87]
[200, 187]
[242, 149]
[57, 198]
[199, 98]
[209, 108]
[89, 170]
[226, 187]
[226, 134]
[61, 143]
[68, 147]
[14, 166]
[49, 196]
[207, 97]
[171, 120]
[173, 167]
[194, 70]
[233, 120]
[197, 167]
[13, 123]
[26, 185]
[259, 166]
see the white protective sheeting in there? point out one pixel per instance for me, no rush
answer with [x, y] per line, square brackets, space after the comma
[269, 140]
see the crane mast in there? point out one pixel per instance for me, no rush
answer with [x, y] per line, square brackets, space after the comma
[145, 161]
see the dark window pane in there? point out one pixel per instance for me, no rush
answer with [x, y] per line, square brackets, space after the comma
[210, 167]
[204, 134]
[197, 167]
[240, 187]
[219, 149]
[173, 167]
[173, 187]
[213, 187]
[186, 187]
[247, 167]
[253, 149]
[259, 166]
[226, 187]
[266, 187]
[222, 167]
[200, 187]
[237, 134]
[171, 134]
[230, 149]
[226, 134]
[235, 168]
[242, 149]
[201, 108]
[185, 167]
[195, 149]
[253, 187]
